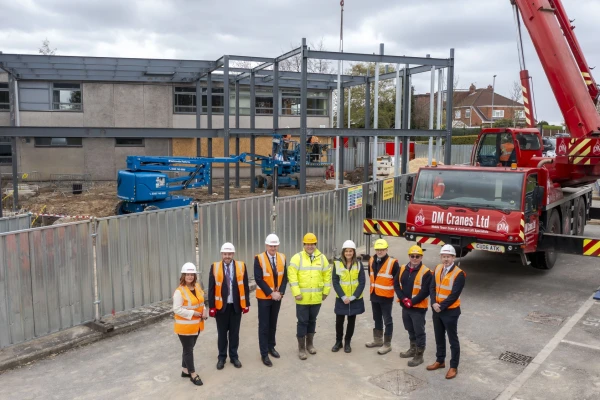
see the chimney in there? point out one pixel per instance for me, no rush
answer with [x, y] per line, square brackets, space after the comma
[472, 88]
[490, 87]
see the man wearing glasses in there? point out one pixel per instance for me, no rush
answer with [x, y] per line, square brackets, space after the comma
[412, 288]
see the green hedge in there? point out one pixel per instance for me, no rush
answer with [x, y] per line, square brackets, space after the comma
[469, 139]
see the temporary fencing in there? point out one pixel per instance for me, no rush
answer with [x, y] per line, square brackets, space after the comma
[15, 223]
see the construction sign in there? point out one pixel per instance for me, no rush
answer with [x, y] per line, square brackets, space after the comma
[388, 189]
[385, 228]
[355, 197]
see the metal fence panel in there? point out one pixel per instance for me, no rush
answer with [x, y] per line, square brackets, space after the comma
[16, 223]
[391, 209]
[349, 223]
[139, 256]
[243, 222]
[461, 153]
[46, 281]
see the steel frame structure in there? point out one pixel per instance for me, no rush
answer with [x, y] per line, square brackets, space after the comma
[104, 69]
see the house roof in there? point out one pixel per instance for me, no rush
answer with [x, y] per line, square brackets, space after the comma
[483, 97]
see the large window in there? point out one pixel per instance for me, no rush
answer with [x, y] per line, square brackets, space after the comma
[317, 103]
[57, 142]
[66, 96]
[4, 99]
[129, 142]
[185, 100]
[5, 151]
[498, 113]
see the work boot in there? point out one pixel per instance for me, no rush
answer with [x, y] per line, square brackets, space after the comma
[337, 346]
[387, 345]
[347, 348]
[302, 348]
[411, 351]
[309, 343]
[418, 359]
[377, 339]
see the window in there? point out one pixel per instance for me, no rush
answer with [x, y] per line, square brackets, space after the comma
[317, 103]
[218, 101]
[4, 97]
[58, 142]
[457, 114]
[185, 100]
[528, 141]
[66, 96]
[530, 185]
[468, 113]
[129, 142]
[263, 101]
[520, 114]
[498, 113]
[5, 151]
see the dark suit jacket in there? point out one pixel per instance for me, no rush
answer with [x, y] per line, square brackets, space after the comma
[225, 290]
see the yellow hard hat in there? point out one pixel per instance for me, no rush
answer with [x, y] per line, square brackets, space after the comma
[310, 238]
[415, 250]
[381, 244]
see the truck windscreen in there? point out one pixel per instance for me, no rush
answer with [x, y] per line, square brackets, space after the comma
[473, 189]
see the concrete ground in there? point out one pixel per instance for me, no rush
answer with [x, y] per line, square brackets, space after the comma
[498, 299]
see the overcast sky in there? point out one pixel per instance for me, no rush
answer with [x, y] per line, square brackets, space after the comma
[482, 32]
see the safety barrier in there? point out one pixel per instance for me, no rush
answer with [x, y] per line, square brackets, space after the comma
[15, 223]
[389, 202]
[139, 256]
[46, 281]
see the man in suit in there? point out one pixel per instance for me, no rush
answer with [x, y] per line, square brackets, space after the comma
[228, 298]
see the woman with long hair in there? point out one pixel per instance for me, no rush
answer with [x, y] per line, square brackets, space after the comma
[190, 314]
[348, 283]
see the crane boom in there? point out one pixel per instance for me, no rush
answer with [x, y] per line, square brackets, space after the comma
[564, 64]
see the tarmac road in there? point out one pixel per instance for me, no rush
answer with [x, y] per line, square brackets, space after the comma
[498, 297]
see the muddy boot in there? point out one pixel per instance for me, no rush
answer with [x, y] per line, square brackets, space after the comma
[309, 343]
[418, 359]
[377, 339]
[302, 348]
[411, 351]
[387, 345]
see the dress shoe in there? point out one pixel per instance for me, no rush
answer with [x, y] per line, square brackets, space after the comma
[236, 363]
[184, 375]
[220, 364]
[274, 353]
[267, 361]
[196, 380]
[436, 365]
[451, 373]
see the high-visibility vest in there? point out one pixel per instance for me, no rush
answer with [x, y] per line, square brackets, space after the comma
[348, 277]
[444, 288]
[192, 326]
[219, 274]
[383, 285]
[417, 285]
[507, 149]
[438, 187]
[265, 264]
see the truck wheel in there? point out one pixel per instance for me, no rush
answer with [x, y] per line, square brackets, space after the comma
[119, 210]
[269, 182]
[260, 181]
[579, 218]
[547, 259]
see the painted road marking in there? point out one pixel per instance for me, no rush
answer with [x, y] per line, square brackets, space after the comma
[520, 380]
[587, 346]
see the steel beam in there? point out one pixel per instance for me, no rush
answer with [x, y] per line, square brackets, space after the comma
[166, 133]
[289, 54]
[357, 132]
[251, 59]
[329, 55]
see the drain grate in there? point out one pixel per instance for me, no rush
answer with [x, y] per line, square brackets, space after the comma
[397, 382]
[516, 358]
[545, 319]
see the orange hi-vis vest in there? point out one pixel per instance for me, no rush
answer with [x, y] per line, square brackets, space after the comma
[195, 325]
[265, 264]
[383, 285]
[417, 285]
[438, 187]
[444, 288]
[219, 274]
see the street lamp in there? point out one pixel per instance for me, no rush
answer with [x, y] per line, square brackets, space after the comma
[493, 91]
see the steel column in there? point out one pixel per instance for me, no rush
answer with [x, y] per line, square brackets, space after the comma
[406, 118]
[340, 142]
[438, 141]
[275, 121]
[431, 111]
[226, 124]
[198, 117]
[237, 138]
[12, 98]
[252, 126]
[398, 121]
[366, 154]
[449, 105]
[303, 115]
[209, 125]
[376, 113]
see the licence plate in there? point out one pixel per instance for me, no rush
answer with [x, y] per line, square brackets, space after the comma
[494, 248]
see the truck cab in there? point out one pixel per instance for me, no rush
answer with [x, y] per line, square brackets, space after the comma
[503, 147]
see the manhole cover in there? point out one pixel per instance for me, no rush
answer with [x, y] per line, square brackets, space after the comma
[545, 319]
[397, 382]
[516, 358]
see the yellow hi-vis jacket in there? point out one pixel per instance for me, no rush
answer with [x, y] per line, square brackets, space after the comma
[311, 279]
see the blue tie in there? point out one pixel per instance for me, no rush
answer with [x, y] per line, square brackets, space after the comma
[228, 275]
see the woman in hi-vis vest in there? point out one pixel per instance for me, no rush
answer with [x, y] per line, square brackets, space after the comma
[349, 284]
[190, 314]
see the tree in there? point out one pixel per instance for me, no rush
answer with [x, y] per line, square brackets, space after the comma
[516, 95]
[45, 49]
[294, 63]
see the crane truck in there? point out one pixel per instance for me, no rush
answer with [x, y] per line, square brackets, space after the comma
[511, 199]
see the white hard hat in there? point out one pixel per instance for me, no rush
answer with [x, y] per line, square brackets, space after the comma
[448, 249]
[189, 268]
[227, 248]
[272, 240]
[349, 244]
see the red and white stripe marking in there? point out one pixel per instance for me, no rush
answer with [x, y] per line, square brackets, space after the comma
[429, 240]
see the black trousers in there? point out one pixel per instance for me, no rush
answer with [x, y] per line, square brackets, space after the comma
[339, 327]
[228, 329]
[268, 311]
[187, 359]
[382, 315]
[443, 324]
[307, 318]
[414, 323]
